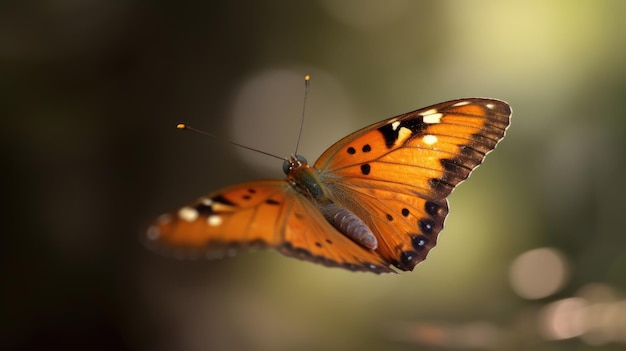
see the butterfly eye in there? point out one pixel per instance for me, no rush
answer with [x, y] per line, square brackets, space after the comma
[286, 167]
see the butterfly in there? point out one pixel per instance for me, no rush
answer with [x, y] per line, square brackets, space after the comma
[373, 200]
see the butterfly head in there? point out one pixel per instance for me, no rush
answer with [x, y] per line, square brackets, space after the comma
[293, 162]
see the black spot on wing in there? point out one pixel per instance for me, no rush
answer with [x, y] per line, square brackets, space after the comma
[433, 208]
[437, 212]
[365, 169]
[427, 225]
[205, 210]
[220, 199]
[390, 134]
[419, 242]
[408, 260]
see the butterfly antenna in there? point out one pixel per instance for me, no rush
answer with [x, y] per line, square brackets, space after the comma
[186, 127]
[307, 80]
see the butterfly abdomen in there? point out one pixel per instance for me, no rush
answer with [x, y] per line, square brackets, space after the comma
[349, 225]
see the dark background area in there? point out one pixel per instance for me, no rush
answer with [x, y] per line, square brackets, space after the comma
[92, 91]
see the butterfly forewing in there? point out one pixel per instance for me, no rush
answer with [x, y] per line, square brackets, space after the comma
[259, 214]
[409, 164]
[238, 216]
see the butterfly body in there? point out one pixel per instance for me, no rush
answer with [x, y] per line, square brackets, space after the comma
[375, 198]
[306, 180]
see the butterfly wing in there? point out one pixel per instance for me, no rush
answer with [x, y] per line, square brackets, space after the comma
[259, 214]
[396, 174]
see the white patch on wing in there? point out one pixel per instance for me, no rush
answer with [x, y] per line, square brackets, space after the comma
[403, 134]
[188, 214]
[214, 220]
[432, 118]
[429, 139]
[395, 125]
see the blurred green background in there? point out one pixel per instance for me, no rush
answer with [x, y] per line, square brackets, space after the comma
[534, 251]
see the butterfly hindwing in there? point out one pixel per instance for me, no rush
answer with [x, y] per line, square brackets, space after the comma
[406, 226]
[308, 235]
[409, 164]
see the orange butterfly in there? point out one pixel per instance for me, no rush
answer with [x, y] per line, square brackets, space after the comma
[375, 198]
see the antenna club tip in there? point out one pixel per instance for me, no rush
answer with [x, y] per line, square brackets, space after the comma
[307, 78]
[181, 126]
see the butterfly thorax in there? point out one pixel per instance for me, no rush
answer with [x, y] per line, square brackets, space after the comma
[306, 180]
